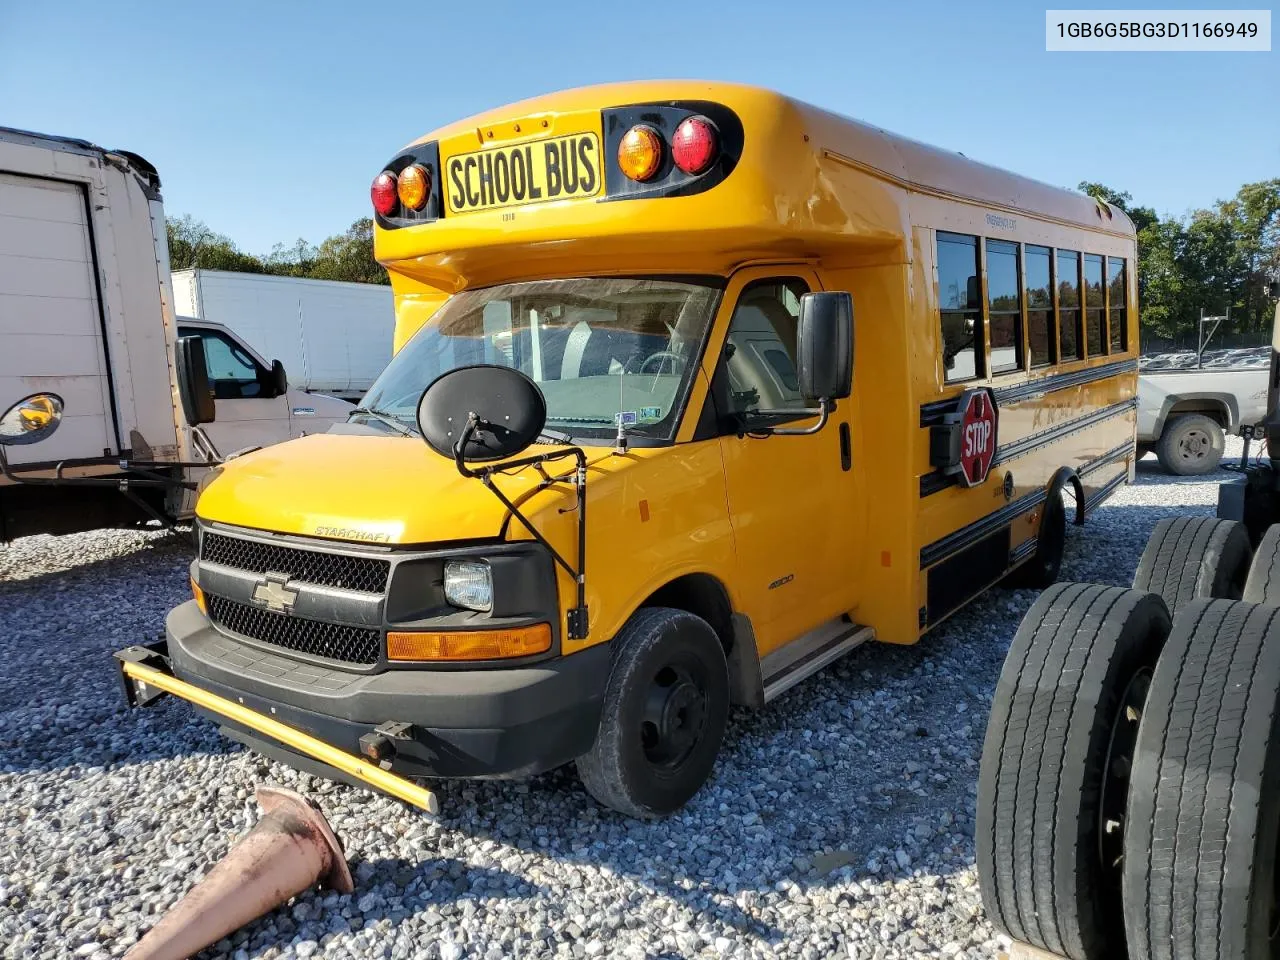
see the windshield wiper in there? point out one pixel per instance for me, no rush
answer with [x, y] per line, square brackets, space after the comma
[401, 428]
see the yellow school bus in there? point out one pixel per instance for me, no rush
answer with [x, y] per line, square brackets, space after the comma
[696, 387]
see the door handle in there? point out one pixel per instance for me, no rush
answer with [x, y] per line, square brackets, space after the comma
[846, 448]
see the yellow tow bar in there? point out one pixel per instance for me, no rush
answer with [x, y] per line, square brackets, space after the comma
[349, 764]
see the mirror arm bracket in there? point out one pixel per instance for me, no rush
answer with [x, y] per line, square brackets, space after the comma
[578, 620]
[823, 413]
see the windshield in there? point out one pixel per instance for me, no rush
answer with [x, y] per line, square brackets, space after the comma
[598, 347]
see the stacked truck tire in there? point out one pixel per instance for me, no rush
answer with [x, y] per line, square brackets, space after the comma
[1129, 791]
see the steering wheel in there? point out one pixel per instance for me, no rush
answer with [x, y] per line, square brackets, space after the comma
[677, 361]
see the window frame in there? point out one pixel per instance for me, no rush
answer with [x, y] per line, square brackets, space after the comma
[262, 374]
[1050, 310]
[1019, 329]
[1104, 331]
[1080, 353]
[981, 370]
[1123, 346]
[728, 421]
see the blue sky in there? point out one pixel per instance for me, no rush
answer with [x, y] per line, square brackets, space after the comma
[267, 120]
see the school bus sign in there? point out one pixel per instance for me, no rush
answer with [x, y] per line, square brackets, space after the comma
[964, 444]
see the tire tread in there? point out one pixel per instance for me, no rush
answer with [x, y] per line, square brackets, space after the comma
[1045, 722]
[1206, 733]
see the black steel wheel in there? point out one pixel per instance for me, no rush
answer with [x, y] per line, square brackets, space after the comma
[663, 715]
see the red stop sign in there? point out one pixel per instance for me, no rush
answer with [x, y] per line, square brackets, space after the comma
[979, 419]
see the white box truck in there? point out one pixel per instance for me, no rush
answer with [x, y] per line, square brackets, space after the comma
[332, 337]
[88, 341]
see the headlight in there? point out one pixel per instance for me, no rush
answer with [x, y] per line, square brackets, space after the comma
[469, 584]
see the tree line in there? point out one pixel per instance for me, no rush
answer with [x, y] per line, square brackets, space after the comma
[344, 256]
[1224, 257]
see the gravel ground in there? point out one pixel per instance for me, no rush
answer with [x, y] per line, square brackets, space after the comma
[839, 821]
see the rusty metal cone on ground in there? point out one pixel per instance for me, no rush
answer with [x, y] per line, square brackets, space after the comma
[290, 850]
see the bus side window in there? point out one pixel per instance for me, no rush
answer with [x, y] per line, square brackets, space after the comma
[1072, 345]
[1116, 299]
[760, 349]
[1004, 306]
[1095, 307]
[960, 305]
[1044, 347]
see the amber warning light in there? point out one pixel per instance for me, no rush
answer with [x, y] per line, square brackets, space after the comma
[640, 152]
[414, 187]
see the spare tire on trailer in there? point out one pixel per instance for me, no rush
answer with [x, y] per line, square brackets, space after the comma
[1203, 820]
[1077, 665]
[1195, 558]
[1263, 584]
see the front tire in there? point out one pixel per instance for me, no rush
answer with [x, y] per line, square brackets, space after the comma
[663, 717]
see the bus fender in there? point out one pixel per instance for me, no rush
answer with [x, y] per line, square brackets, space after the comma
[746, 682]
[1064, 476]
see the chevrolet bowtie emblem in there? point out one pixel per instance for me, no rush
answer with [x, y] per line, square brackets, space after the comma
[274, 593]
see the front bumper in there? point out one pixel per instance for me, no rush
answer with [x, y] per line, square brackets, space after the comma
[461, 723]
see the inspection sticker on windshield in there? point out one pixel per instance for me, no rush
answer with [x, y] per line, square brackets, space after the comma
[627, 418]
[650, 413]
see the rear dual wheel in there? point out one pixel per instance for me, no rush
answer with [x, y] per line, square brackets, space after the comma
[1051, 540]
[1203, 822]
[1195, 558]
[1263, 584]
[1055, 762]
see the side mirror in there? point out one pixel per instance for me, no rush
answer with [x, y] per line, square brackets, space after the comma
[480, 413]
[193, 381]
[825, 346]
[31, 419]
[279, 379]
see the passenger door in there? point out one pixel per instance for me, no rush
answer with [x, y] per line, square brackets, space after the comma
[792, 499]
[249, 411]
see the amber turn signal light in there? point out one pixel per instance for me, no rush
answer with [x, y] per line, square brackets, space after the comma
[470, 644]
[199, 595]
[414, 187]
[640, 152]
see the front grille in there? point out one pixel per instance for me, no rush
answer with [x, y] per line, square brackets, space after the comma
[327, 569]
[336, 641]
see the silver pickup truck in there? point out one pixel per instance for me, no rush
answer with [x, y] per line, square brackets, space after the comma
[1184, 415]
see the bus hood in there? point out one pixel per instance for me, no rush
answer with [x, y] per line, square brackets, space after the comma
[359, 488]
